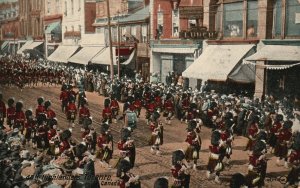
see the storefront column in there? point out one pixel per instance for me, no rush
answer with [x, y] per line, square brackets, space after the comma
[262, 19]
[259, 79]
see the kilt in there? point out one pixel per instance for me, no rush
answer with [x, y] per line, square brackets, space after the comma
[191, 153]
[71, 116]
[212, 163]
[281, 150]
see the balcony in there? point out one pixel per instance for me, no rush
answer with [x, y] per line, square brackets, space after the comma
[198, 33]
[72, 34]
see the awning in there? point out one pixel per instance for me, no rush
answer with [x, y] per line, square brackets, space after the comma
[276, 53]
[85, 55]
[20, 51]
[4, 44]
[216, 62]
[103, 58]
[243, 74]
[33, 45]
[175, 50]
[62, 53]
[52, 26]
[131, 57]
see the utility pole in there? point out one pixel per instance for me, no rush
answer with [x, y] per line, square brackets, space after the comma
[110, 42]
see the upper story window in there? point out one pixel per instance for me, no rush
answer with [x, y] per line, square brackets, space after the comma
[144, 33]
[66, 8]
[72, 6]
[233, 19]
[286, 18]
[160, 23]
[175, 23]
[48, 6]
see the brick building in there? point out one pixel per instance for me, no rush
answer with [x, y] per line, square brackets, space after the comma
[9, 25]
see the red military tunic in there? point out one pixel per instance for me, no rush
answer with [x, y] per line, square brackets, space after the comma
[106, 113]
[252, 130]
[137, 103]
[51, 134]
[185, 104]
[284, 135]
[11, 115]
[71, 111]
[85, 133]
[114, 105]
[101, 140]
[20, 119]
[84, 112]
[158, 101]
[50, 114]
[64, 96]
[151, 107]
[39, 110]
[276, 127]
[169, 106]
[294, 157]
[64, 146]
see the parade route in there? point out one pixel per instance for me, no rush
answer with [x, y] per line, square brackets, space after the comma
[150, 167]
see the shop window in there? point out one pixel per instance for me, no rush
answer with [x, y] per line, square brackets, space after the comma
[252, 15]
[293, 18]
[192, 23]
[233, 20]
[133, 31]
[144, 33]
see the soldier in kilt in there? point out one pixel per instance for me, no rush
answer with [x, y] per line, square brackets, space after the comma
[114, 106]
[277, 125]
[283, 142]
[11, 112]
[50, 114]
[179, 170]
[252, 133]
[19, 117]
[127, 179]
[294, 162]
[126, 146]
[29, 126]
[104, 143]
[156, 138]
[257, 165]
[215, 165]
[106, 112]
[71, 111]
[84, 112]
[194, 141]
[169, 108]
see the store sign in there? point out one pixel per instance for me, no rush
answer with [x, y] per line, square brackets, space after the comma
[194, 12]
[297, 18]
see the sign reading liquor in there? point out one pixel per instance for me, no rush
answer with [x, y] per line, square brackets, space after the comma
[191, 12]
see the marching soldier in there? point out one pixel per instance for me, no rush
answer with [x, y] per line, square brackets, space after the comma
[185, 104]
[106, 112]
[84, 112]
[252, 133]
[19, 117]
[257, 165]
[179, 170]
[114, 105]
[127, 179]
[104, 143]
[194, 141]
[29, 126]
[50, 114]
[64, 98]
[283, 142]
[71, 111]
[215, 165]
[40, 109]
[65, 141]
[150, 109]
[11, 112]
[168, 108]
[294, 162]
[126, 146]
[156, 138]
[137, 105]
[277, 125]
[2, 112]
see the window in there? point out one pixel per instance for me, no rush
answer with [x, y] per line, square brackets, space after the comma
[192, 23]
[175, 23]
[133, 31]
[144, 33]
[292, 18]
[277, 12]
[48, 6]
[291, 10]
[233, 20]
[252, 15]
[160, 24]
[66, 8]
[72, 6]
[100, 30]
